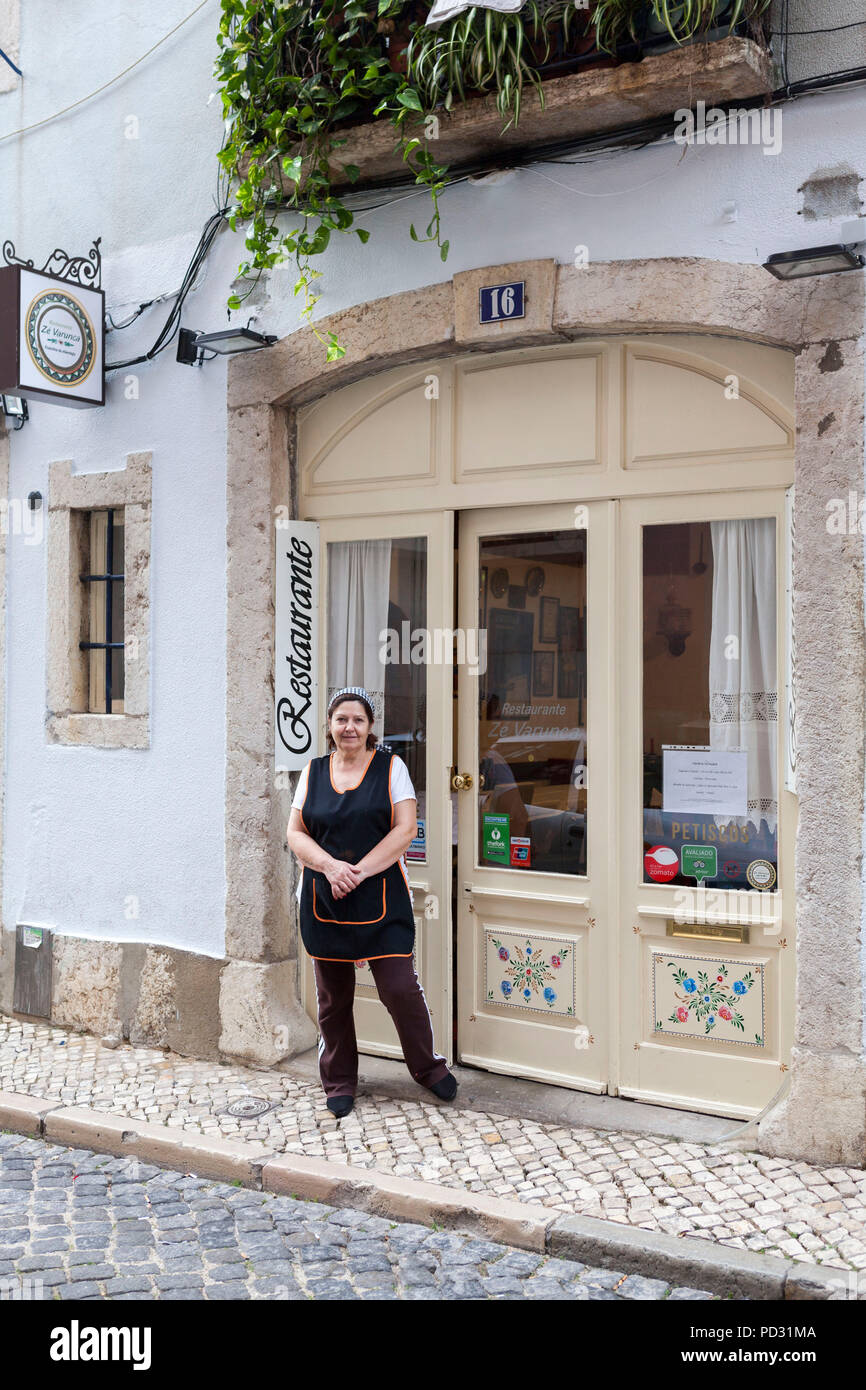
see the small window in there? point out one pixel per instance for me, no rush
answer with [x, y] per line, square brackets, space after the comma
[103, 610]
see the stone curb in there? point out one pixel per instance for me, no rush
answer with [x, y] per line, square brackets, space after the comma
[688, 1260]
[408, 1199]
[683, 1260]
[226, 1160]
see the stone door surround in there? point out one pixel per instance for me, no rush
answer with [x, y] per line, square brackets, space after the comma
[823, 1115]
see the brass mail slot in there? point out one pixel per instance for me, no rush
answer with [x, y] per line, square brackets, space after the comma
[705, 931]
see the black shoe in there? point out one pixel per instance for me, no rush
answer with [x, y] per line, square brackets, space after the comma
[340, 1105]
[446, 1089]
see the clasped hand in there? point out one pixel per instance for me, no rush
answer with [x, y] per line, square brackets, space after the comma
[343, 877]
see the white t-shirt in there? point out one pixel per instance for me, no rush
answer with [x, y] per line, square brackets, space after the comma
[401, 790]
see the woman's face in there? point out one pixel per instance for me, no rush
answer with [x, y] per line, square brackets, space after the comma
[349, 726]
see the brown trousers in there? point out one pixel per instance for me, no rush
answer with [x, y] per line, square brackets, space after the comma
[401, 993]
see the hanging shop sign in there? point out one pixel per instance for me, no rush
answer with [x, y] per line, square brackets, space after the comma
[296, 627]
[52, 329]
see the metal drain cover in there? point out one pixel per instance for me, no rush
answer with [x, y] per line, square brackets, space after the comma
[248, 1107]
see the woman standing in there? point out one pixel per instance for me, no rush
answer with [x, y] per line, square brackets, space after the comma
[352, 818]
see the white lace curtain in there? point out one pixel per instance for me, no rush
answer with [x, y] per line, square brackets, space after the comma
[743, 695]
[359, 580]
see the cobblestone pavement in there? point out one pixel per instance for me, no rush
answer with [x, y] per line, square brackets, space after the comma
[743, 1199]
[79, 1225]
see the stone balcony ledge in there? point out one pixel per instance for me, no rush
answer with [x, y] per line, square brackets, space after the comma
[589, 102]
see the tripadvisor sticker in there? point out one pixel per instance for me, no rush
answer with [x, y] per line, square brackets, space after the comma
[761, 873]
[495, 830]
[699, 862]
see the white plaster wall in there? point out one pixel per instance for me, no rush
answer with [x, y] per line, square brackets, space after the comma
[817, 42]
[86, 829]
[9, 27]
[666, 200]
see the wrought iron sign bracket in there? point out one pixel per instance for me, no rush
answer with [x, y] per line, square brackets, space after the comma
[78, 270]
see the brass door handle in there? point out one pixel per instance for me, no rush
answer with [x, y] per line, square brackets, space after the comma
[461, 781]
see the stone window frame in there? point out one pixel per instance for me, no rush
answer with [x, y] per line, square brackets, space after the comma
[71, 497]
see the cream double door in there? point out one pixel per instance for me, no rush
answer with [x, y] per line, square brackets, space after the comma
[588, 695]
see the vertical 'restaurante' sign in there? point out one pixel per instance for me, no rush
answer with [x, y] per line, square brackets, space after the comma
[296, 645]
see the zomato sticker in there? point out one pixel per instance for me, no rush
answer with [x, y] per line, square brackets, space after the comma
[661, 863]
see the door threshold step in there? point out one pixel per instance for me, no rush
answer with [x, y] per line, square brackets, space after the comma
[542, 1102]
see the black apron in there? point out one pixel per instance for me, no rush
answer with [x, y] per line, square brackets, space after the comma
[375, 919]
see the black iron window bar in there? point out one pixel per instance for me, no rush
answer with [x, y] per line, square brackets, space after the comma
[106, 578]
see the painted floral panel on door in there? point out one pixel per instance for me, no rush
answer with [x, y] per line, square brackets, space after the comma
[710, 998]
[530, 972]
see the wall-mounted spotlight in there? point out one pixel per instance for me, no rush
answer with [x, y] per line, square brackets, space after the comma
[15, 408]
[814, 260]
[232, 340]
[193, 345]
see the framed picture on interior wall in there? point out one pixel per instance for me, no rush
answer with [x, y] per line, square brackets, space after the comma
[509, 656]
[568, 686]
[517, 596]
[569, 629]
[549, 620]
[542, 673]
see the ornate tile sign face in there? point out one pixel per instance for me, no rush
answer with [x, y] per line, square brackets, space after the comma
[51, 338]
[710, 998]
[60, 337]
[530, 972]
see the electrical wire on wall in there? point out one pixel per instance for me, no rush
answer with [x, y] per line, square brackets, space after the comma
[190, 282]
[169, 329]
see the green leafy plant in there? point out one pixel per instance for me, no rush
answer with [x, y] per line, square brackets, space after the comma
[291, 78]
[620, 21]
[485, 51]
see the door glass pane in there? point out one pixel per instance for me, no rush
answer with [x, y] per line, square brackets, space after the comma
[710, 789]
[377, 606]
[532, 780]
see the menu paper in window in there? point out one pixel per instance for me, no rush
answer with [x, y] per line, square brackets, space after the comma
[698, 780]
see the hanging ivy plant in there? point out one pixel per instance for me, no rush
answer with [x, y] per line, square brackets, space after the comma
[293, 78]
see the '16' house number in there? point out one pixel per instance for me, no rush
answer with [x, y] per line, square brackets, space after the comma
[497, 302]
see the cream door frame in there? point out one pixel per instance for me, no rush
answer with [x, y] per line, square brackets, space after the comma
[641, 420]
[430, 882]
[576, 911]
[734, 1079]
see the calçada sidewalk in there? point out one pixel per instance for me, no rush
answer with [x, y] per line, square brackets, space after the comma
[576, 1190]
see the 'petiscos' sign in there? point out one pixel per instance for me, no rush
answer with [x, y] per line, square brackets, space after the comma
[296, 633]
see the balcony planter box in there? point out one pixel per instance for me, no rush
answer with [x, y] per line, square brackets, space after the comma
[583, 103]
